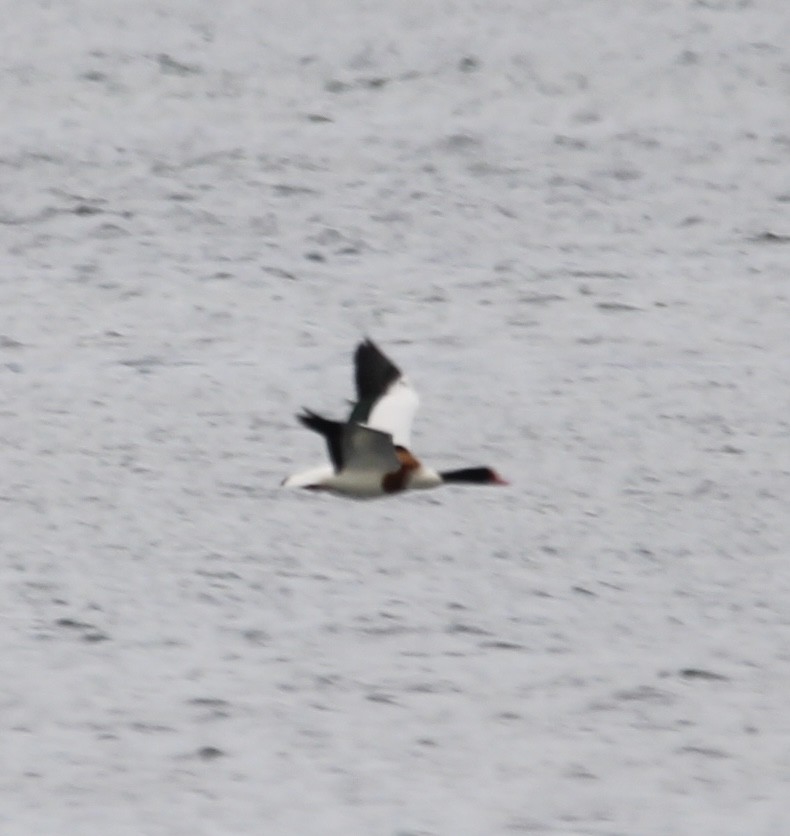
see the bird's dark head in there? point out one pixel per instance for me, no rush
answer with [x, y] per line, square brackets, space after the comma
[474, 476]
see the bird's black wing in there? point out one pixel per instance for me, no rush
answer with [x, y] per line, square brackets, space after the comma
[374, 373]
[332, 431]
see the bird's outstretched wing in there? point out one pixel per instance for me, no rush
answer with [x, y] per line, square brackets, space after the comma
[386, 401]
[332, 431]
[353, 447]
[368, 450]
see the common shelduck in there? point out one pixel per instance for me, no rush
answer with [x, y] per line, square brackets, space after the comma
[370, 451]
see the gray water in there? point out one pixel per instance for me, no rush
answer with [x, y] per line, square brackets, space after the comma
[568, 223]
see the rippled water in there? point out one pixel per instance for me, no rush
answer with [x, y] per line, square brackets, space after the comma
[568, 223]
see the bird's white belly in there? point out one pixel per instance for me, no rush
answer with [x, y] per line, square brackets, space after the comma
[362, 484]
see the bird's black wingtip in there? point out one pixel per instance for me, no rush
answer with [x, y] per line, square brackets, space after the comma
[332, 431]
[366, 348]
[311, 419]
[374, 372]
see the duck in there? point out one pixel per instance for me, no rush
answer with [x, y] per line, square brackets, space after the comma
[370, 452]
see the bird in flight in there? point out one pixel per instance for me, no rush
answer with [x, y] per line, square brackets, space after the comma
[370, 452]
